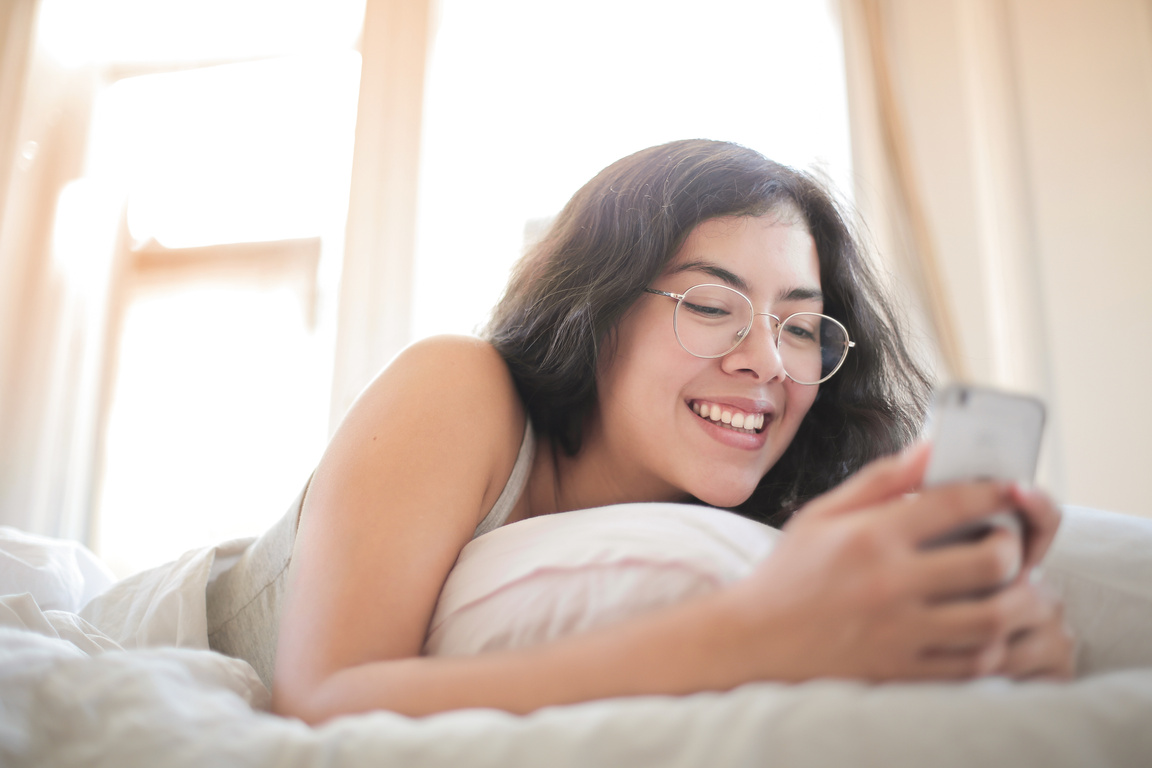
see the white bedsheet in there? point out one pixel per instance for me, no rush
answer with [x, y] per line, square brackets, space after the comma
[128, 682]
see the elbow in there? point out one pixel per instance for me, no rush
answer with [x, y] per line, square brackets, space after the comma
[297, 700]
[292, 707]
[320, 696]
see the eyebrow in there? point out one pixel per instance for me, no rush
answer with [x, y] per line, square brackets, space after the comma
[737, 282]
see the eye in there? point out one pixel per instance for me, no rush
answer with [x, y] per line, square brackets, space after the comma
[802, 330]
[800, 333]
[712, 303]
[702, 310]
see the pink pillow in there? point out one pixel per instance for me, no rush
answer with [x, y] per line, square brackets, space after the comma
[546, 577]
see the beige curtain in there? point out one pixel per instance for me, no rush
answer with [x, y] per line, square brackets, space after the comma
[939, 143]
[890, 192]
[376, 283]
[947, 163]
[17, 21]
[25, 172]
[58, 248]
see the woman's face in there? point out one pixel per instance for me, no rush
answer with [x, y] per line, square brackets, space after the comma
[652, 393]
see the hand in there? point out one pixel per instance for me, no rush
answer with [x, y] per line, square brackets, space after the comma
[1043, 649]
[851, 592]
[1041, 519]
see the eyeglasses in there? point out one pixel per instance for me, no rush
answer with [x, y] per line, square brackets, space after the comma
[712, 320]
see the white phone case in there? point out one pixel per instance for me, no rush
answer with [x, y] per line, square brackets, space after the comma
[979, 433]
[982, 433]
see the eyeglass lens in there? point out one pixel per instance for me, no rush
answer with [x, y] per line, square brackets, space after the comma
[711, 320]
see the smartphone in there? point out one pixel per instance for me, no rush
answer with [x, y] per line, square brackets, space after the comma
[981, 433]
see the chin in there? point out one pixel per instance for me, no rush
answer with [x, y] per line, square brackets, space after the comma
[730, 495]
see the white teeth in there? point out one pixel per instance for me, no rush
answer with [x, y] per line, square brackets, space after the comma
[735, 419]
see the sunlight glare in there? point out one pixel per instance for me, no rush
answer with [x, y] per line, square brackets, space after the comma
[85, 32]
[233, 153]
[525, 101]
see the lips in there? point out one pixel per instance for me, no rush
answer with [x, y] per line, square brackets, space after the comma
[730, 417]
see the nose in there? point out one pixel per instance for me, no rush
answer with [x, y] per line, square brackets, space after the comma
[758, 353]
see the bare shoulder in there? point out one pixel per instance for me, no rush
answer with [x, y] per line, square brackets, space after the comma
[417, 462]
[457, 387]
[447, 403]
[470, 367]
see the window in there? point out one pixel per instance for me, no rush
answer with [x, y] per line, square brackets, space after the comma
[231, 148]
[218, 162]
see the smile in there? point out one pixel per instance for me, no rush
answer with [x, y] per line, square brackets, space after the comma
[728, 417]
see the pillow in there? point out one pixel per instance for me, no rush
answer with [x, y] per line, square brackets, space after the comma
[1101, 565]
[546, 577]
[60, 575]
[162, 606]
[549, 576]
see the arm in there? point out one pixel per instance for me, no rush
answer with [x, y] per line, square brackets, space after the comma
[422, 456]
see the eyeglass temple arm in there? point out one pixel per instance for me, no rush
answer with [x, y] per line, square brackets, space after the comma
[676, 296]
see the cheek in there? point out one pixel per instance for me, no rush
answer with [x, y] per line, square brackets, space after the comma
[646, 350]
[800, 400]
[630, 367]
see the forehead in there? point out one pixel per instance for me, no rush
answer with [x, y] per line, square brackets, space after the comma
[773, 251]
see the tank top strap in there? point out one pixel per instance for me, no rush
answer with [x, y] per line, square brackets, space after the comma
[515, 485]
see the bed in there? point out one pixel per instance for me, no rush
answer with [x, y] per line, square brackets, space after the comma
[100, 672]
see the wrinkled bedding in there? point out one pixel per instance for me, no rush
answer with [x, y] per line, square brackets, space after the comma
[119, 674]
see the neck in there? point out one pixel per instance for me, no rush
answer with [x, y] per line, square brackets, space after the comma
[592, 478]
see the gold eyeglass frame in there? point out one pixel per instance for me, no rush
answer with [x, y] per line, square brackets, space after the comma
[743, 334]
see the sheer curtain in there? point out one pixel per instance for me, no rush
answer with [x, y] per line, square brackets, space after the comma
[53, 282]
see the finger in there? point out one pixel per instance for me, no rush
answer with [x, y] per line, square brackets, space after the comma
[937, 511]
[968, 624]
[969, 569]
[1047, 651]
[881, 480]
[1041, 521]
[955, 664]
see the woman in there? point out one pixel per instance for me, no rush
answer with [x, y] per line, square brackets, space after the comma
[665, 341]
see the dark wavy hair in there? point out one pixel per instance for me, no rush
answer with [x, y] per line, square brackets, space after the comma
[618, 233]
